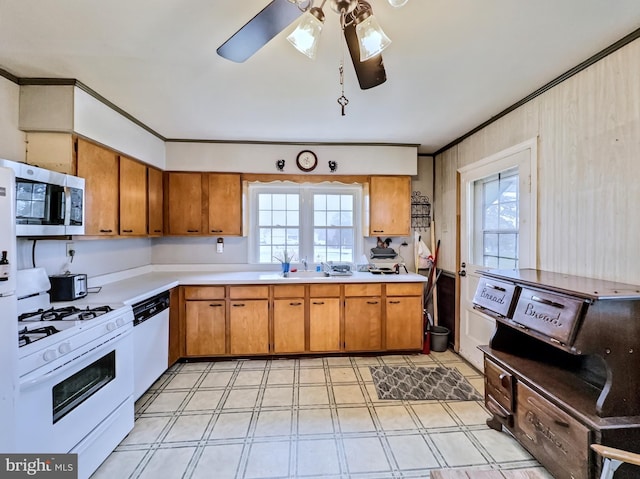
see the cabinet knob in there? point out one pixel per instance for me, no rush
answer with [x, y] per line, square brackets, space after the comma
[238, 305]
[318, 302]
[295, 304]
[127, 231]
[193, 231]
[157, 231]
[106, 231]
[215, 305]
[216, 231]
[372, 302]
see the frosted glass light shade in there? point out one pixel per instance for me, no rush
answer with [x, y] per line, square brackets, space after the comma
[306, 35]
[398, 3]
[371, 38]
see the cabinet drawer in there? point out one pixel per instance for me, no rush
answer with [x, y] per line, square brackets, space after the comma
[496, 296]
[203, 292]
[249, 292]
[556, 439]
[499, 384]
[324, 290]
[367, 289]
[553, 315]
[289, 291]
[404, 289]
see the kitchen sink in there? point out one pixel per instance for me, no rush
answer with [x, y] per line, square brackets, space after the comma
[306, 275]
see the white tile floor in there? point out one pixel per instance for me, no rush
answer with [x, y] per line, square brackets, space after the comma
[304, 418]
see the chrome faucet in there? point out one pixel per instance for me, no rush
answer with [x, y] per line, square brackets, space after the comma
[304, 262]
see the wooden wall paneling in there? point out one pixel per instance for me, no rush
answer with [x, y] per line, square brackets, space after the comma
[445, 209]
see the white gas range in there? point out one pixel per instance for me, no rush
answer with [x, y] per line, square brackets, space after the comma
[75, 374]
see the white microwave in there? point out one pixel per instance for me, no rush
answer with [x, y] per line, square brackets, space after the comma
[48, 203]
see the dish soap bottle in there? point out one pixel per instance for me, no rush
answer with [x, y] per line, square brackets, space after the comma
[4, 267]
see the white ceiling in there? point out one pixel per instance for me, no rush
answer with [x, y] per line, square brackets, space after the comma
[452, 65]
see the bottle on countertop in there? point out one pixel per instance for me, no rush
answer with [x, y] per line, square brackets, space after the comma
[4, 267]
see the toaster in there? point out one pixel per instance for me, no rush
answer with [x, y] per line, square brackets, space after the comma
[68, 287]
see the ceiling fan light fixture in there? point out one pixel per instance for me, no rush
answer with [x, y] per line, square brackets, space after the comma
[398, 3]
[371, 37]
[306, 35]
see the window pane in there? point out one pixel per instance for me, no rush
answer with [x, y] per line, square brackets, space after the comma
[492, 217]
[508, 216]
[293, 218]
[265, 236]
[320, 218]
[264, 218]
[346, 202]
[279, 218]
[293, 202]
[333, 202]
[346, 218]
[490, 244]
[320, 202]
[508, 246]
[491, 261]
[333, 218]
[293, 236]
[265, 254]
[264, 202]
[279, 202]
[333, 237]
[347, 238]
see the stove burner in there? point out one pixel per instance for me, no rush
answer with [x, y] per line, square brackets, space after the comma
[27, 336]
[60, 314]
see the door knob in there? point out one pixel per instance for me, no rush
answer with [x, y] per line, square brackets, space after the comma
[462, 272]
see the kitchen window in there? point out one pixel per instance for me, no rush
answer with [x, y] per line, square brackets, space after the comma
[313, 222]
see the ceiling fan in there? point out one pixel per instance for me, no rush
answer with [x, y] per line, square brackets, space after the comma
[364, 37]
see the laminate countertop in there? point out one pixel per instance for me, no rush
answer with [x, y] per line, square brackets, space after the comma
[140, 287]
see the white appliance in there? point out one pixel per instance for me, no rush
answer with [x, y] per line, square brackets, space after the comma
[75, 374]
[47, 203]
[8, 309]
[150, 341]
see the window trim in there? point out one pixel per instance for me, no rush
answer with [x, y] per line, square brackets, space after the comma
[306, 191]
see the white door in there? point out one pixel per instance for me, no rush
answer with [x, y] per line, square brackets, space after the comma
[497, 231]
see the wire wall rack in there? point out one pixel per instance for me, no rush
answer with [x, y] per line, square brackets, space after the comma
[420, 211]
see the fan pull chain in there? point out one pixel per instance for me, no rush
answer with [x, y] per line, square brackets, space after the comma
[343, 100]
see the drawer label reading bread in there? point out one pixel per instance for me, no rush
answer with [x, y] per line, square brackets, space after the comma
[492, 297]
[553, 320]
[545, 430]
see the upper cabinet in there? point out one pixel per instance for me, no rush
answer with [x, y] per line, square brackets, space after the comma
[184, 203]
[123, 196]
[155, 212]
[133, 197]
[225, 204]
[204, 203]
[99, 167]
[390, 205]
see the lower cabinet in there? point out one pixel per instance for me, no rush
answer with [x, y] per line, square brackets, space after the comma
[362, 324]
[324, 325]
[205, 321]
[403, 311]
[301, 318]
[205, 328]
[288, 325]
[324, 318]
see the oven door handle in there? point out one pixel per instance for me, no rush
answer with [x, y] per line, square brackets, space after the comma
[33, 379]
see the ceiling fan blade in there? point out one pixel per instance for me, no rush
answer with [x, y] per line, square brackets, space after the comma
[274, 18]
[371, 72]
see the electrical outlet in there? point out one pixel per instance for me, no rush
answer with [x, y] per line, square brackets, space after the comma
[71, 250]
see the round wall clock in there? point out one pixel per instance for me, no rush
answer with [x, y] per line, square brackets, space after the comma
[307, 160]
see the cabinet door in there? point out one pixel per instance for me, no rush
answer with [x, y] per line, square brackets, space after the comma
[404, 324]
[288, 325]
[185, 203]
[205, 328]
[390, 205]
[225, 204]
[154, 195]
[363, 324]
[133, 197]
[249, 326]
[99, 167]
[324, 324]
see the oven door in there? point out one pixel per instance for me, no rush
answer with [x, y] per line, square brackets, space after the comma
[60, 404]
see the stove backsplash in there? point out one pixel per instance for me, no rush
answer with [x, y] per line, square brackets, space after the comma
[93, 257]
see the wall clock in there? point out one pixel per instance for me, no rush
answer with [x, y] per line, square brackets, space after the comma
[307, 160]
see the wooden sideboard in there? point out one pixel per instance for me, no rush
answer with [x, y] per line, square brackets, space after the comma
[561, 369]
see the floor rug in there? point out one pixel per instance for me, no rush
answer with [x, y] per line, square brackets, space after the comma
[415, 383]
